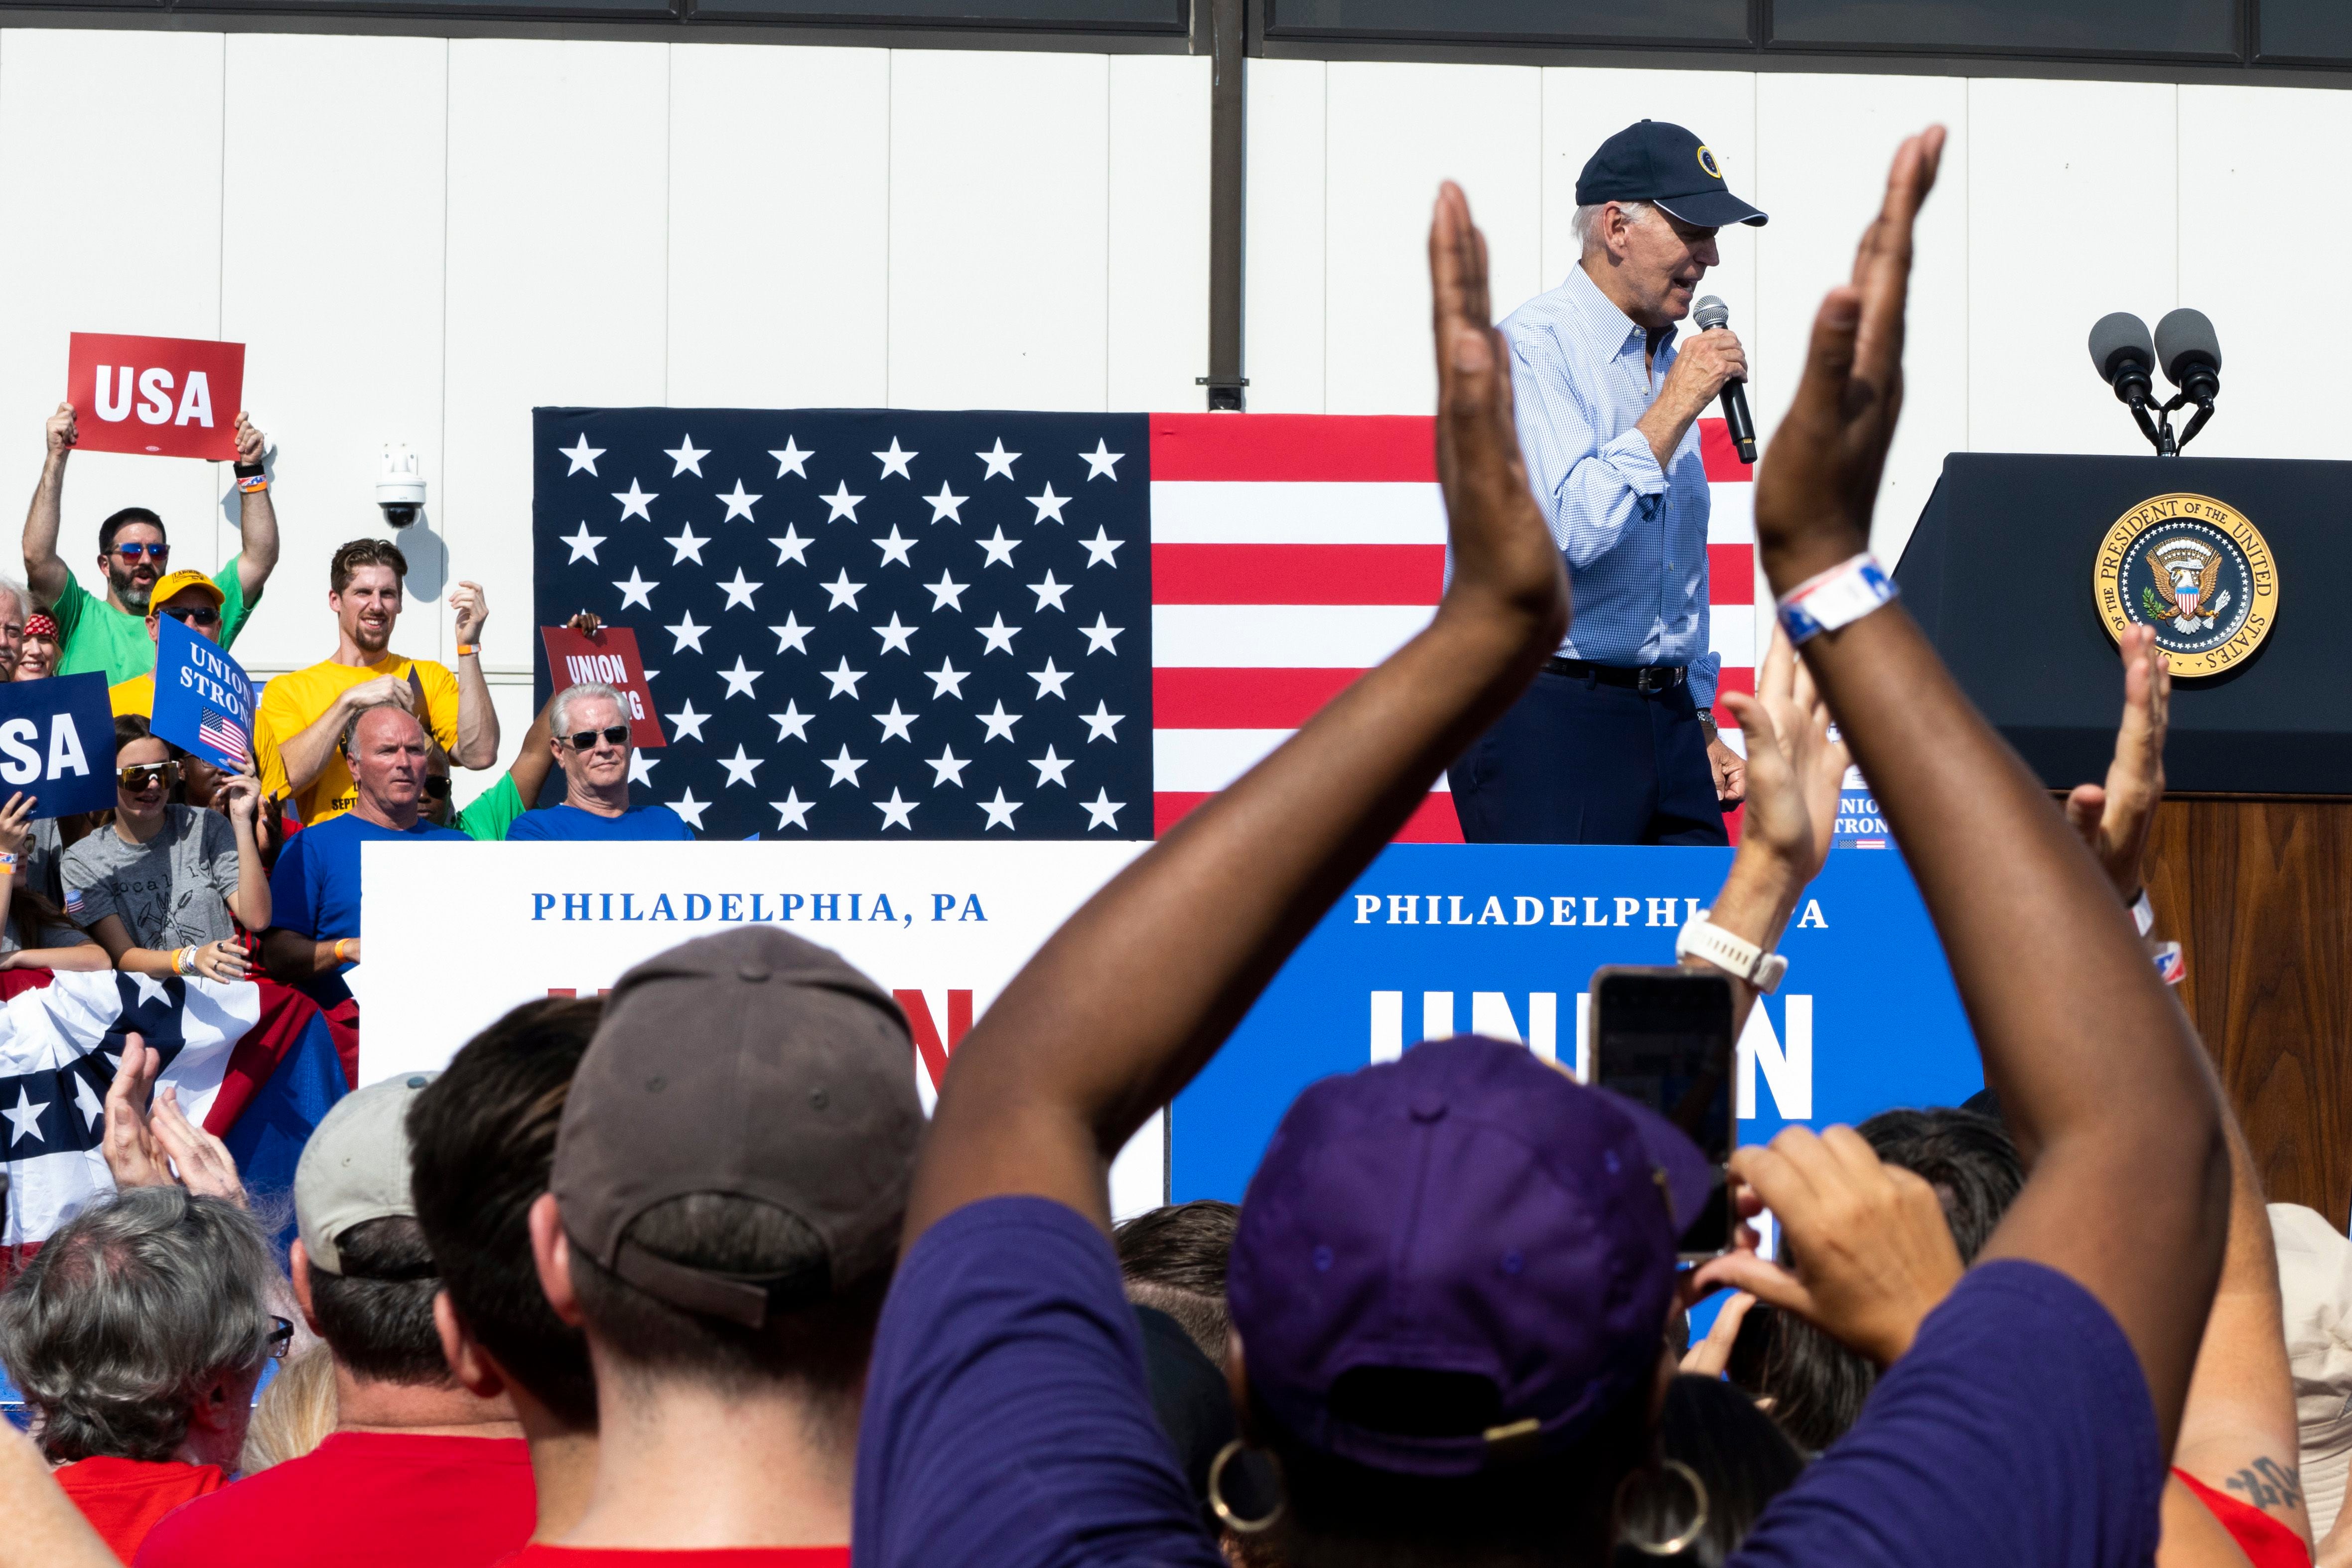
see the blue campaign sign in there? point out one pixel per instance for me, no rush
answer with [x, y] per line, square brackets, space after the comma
[57, 743]
[204, 701]
[1502, 939]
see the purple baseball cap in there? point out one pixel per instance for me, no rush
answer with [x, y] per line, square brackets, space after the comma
[1468, 1209]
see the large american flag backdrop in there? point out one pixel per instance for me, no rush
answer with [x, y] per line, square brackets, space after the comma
[977, 625]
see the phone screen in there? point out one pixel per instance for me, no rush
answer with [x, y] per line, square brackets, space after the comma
[1664, 1037]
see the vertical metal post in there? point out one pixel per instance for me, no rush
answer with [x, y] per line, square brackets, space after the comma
[1228, 164]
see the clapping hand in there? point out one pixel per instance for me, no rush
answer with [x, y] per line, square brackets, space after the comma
[1870, 1252]
[1820, 480]
[142, 1147]
[2115, 818]
[1497, 534]
[1794, 769]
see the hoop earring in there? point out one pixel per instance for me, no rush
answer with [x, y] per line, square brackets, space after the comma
[1225, 1514]
[1676, 1545]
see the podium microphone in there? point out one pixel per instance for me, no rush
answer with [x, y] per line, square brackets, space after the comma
[1710, 313]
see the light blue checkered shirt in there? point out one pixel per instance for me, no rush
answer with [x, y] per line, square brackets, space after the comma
[1634, 537]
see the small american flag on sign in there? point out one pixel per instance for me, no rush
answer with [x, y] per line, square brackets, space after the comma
[222, 732]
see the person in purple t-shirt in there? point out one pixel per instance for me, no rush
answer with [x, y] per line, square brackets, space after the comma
[1453, 1273]
[590, 736]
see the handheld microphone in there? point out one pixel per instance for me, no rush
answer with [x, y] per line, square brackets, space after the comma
[1710, 313]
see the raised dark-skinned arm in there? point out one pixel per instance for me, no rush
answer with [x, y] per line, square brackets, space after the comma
[1130, 997]
[2099, 1074]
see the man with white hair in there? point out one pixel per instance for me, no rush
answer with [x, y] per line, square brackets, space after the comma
[1615, 741]
[15, 610]
[590, 739]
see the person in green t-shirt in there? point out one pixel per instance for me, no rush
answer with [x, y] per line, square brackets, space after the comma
[110, 635]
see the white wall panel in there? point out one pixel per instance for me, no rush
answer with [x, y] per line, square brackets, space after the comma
[1395, 132]
[1158, 248]
[1584, 107]
[556, 262]
[999, 213]
[2073, 213]
[779, 226]
[330, 274]
[2246, 167]
[110, 172]
[1824, 145]
[1283, 271]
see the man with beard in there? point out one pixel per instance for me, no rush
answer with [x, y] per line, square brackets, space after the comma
[305, 715]
[111, 635]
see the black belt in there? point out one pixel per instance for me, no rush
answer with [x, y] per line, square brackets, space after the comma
[1648, 678]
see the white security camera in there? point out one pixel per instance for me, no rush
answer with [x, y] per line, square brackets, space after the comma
[400, 485]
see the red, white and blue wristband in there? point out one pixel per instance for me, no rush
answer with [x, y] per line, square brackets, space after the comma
[1837, 597]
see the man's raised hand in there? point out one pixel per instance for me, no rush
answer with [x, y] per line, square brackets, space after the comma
[133, 1155]
[1794, 769]
[1505, 563]
[62, 433]
[1820, 478]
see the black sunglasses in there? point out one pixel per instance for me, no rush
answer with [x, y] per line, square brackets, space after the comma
[437, 786]
[281, 1335]
[140, 775]
[613, 736]
[201, 615]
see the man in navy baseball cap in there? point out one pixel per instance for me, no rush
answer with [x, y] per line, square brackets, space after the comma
[1615, 743]
[1666, 166]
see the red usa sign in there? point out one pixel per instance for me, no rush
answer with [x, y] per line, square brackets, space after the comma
[166, 397]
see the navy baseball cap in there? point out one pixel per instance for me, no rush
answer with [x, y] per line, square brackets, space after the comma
[1665, 166]
[1471, 1210]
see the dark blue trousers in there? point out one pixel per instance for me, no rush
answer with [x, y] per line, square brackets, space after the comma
[1576, 762]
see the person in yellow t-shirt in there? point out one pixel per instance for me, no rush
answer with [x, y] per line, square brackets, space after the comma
[303, 714]
[187, 596]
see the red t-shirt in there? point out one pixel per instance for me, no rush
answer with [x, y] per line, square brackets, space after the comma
[2266, 1543]
[369, 1499]
[537, 1555]
[124, 1498]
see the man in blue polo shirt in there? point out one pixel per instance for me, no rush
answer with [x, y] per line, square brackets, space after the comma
[314, 891]
[591, 742]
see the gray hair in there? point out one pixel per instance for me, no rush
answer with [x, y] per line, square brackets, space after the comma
[1587, 221]
[11, 588]
[558, 718]
[128, 1313]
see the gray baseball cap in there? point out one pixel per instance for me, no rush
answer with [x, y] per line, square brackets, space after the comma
[755, 1065]
[355, 1166]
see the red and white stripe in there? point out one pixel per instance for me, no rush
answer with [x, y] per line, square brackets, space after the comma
[1290, 553]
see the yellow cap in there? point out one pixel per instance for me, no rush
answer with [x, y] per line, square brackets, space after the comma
[180, 582]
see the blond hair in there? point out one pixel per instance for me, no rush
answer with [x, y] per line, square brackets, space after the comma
[294, 1414]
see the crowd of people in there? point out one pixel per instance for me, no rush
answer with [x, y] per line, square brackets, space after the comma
[679, 1273]
[204, 870]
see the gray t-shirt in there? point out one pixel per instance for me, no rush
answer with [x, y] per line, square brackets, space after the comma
[44, 849]
[169, 892]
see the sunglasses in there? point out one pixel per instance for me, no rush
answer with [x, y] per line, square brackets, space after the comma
[140, 775]
[200, 615]
[281, 1336]
[437, 786]
[612, 736]
[133, 552]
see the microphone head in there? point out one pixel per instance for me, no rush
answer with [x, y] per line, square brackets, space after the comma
[1709, 313]
[2119, 340]
[2185, 339]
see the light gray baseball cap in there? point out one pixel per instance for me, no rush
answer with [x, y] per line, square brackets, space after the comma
[355, 1166]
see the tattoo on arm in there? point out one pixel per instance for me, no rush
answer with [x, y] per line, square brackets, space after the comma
[2266, 1483]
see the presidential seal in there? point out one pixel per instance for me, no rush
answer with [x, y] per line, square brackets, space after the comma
[2198, 572]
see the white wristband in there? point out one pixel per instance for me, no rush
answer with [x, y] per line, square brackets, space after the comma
[1837, 597]
[1735, 955]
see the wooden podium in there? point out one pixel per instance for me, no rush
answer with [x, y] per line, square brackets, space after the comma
[2251, 864]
